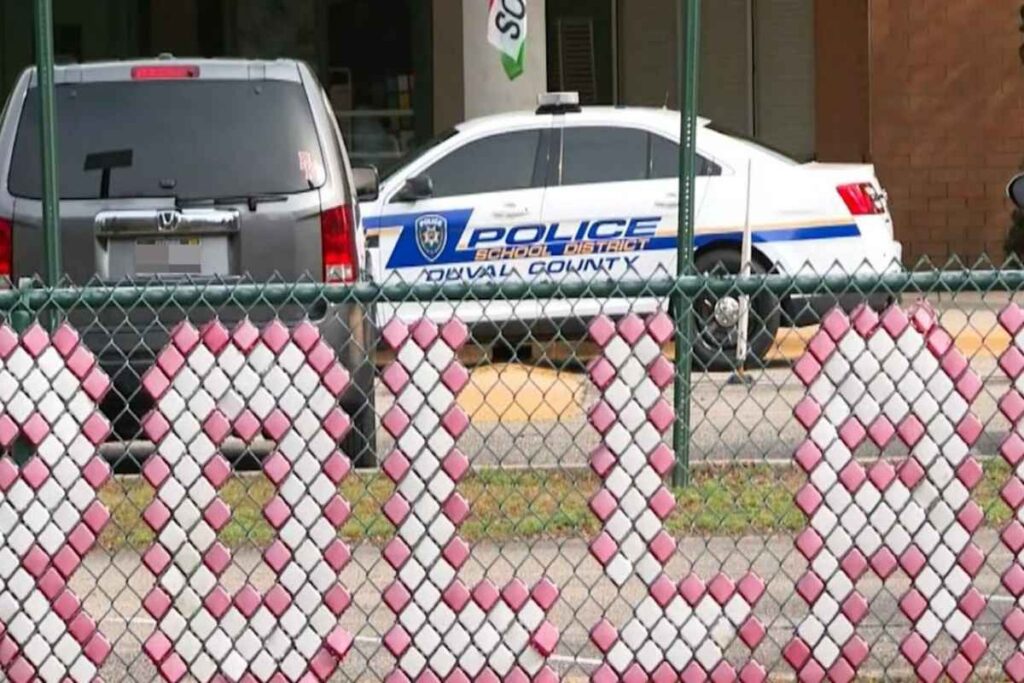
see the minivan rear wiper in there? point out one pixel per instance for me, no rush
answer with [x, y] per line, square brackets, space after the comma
[250, 200]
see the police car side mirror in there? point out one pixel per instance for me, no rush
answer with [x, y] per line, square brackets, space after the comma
[416, 188]
[1015, 191]
[367, 182]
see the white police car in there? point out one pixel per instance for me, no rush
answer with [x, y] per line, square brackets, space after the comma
[566, 192]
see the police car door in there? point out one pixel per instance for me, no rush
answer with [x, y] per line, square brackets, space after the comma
[617, 204]
[453, 222]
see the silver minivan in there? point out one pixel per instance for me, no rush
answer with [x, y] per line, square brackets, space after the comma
[191, 171]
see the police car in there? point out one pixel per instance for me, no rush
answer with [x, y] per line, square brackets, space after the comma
[568, 192]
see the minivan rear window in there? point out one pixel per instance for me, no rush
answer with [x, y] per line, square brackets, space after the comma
[185, 139]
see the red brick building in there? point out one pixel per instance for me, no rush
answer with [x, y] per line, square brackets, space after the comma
[932, 92]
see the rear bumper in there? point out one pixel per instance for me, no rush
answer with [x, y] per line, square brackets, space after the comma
[125, 359]
[571, 328]
[809, 310]
[858, 255]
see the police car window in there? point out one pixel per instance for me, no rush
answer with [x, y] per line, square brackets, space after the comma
[665, 160]
[416, 152]
[500, 162]
[603, 155]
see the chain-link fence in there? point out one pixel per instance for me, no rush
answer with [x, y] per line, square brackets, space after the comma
[285, 482]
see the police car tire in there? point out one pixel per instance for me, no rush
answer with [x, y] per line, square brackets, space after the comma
[765, 317]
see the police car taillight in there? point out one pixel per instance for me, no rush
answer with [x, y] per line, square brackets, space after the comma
[862, 199]
[338, 242]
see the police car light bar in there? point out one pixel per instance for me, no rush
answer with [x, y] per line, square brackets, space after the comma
[558, 103]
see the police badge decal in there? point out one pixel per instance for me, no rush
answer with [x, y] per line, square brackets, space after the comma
[431, 235]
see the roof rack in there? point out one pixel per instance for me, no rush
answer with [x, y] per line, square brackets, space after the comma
[559, 103]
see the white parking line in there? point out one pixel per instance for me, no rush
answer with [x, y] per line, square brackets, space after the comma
[141, 621]
[556, 659]
[578, 661]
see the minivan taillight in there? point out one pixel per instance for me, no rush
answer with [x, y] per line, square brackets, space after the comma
[164, 72]
[862, 199]
[338, 242]
[6, 249]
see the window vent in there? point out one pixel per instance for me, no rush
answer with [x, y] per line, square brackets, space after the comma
[575, 69]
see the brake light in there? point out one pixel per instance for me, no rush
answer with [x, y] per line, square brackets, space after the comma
[862, 199]
[6, 249]
[164, 73]
[338, 242]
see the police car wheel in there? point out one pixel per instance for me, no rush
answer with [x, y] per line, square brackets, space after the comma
[716, 329]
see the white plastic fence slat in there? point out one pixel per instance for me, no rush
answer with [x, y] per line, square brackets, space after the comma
[208, 385]
[446, 630]
[680, 629]
[914, 515]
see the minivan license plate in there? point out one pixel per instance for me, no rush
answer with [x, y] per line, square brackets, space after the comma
[183, 256]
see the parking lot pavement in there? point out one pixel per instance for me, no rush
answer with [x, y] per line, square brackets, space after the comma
[111, 588]
[535, 415]
[970, 318]
[731, 422]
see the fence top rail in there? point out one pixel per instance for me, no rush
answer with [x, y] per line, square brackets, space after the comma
[34, 298]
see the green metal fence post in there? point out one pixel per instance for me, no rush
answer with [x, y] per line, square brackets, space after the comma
[48, 138]
[21, 317]
[688, 72]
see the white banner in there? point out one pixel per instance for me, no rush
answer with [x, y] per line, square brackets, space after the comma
[506, 31]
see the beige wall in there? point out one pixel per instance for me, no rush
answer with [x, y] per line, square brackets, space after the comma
[725, 92]
[449, 90]
[487, 89]
[647, 52]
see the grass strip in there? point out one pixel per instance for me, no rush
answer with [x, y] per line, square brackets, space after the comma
[724, 500]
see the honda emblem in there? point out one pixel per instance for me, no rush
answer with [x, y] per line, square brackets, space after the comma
[167, 221]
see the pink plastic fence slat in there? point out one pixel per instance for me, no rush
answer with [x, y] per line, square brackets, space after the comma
[50, 515]
[246, 383]
[681, 629]
[1012, 450]
[444, 629]
[882, 380]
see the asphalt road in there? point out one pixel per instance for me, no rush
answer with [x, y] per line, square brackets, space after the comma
[111, 588]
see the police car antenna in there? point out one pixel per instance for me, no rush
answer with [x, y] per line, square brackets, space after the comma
[559, 103]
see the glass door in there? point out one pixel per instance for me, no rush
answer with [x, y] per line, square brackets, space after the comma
[381, 96]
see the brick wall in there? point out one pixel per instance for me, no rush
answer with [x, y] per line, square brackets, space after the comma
[947, 120]
[842, 130]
